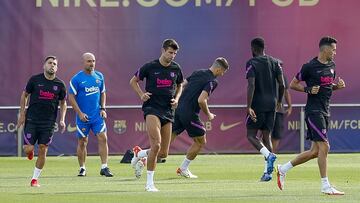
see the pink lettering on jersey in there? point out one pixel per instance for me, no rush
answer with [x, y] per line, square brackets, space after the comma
[46, 95]
[163, 83]
[326, 80]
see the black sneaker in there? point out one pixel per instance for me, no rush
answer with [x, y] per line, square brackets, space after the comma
[106, 172]
[82, 172]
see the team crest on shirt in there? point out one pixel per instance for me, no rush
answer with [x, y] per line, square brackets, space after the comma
[332, 71]
[119, 126]
[323, 131]
[28, 135]
[172, 74]
[97, 81]
[83, 129]
[55, 88]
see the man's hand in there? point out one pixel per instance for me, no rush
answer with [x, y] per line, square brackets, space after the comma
[252, 114]
[312, 90]
[103, 114]
[144, 97]
[288, 111]
[83, 117]
[211, 116]
[174, 103]
[340, 84]
[62, 126]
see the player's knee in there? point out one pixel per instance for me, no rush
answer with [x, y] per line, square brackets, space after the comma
[42, 148]
[156, 147]
[162, 155]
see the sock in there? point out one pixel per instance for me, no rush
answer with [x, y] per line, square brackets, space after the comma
[150, 178]
[185, 164]
[143, 153]
[284, 168]
[37, 173]
[103, 166]
[264, 151]
[265, 167]
[325, 182]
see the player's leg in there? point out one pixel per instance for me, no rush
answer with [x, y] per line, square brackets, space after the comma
[30, 138]
[153, 126]
[81, 151]
[99, 129]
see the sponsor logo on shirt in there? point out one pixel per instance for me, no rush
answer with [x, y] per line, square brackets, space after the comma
[326, 80]
[46, 95]
[163, 83]
[91, 90]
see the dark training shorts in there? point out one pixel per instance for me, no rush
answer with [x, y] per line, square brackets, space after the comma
[40, 133]
[265, 121]
[317, 125]
[191, 123]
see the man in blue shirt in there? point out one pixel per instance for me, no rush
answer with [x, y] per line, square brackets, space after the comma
[87, 97]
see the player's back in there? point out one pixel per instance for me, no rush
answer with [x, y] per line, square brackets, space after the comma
[197, 82]
[265, 69]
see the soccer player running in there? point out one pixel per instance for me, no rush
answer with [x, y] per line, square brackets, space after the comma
[319, 76]
[46, 92]
[198, 88]
[87, 97]
[263, 98]
[162, 91]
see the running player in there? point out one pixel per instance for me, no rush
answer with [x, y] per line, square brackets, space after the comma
[262, 73]
[46, 91]
[319, 76]
[198, 88]
[162, 91]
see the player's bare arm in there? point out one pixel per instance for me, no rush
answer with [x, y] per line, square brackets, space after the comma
[250, 95]
[339, 85]
[202, 100]
[23, 102]
[175, 100]
[102, 105]
[134, 83]
[63, 108]
[297, 86]
[83, 117]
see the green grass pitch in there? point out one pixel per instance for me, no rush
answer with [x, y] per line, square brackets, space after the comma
[222, 178]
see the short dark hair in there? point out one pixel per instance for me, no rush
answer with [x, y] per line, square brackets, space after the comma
[327, 40]
[170, 43]
[50, 57]
[221, 61]
[258, 44]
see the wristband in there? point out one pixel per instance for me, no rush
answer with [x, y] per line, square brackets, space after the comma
[307, 90]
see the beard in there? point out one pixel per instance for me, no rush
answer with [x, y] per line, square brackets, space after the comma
[50, 72]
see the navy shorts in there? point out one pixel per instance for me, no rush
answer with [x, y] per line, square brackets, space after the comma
[40, 133]
[318, 125]
[265, 121]
[191, 123]
[165, 116]
[278, 130]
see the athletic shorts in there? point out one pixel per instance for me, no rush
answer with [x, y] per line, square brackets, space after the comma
[191, 123]
[97, 126]
[265, 121]
[165, 115]
[40, 133]
[278, 129]
[318, 125]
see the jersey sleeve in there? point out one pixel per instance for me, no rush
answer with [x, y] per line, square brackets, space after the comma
[74, 85]
[30, 85]
[142, 72]
[180, 77]
[102, 86]
[250, 70]
[210, 87]
[303, 73]
[278, 68]
[62, 94]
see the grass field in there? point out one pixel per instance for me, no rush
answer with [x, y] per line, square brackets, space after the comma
[222, 178]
